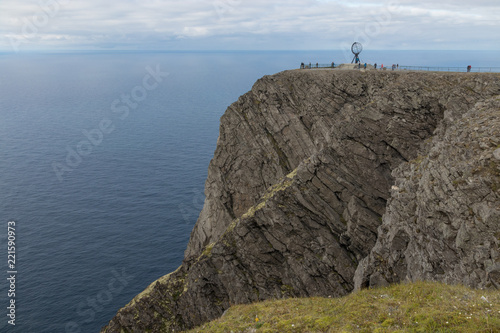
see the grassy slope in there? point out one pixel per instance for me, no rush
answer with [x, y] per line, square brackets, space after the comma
[415, 307]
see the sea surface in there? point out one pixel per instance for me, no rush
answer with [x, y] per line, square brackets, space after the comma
[103, 158]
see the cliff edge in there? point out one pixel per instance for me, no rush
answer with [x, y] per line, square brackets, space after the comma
[325, 181]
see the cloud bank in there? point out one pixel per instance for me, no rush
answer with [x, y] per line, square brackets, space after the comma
[248, 25]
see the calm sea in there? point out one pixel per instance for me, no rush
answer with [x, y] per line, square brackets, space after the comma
[103, 158]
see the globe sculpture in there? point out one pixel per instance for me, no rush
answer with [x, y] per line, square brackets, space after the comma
[356, 49]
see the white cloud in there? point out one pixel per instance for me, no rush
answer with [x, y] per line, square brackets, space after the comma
[248, 24]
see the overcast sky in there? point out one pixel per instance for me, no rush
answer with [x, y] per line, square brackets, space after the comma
[248, 24]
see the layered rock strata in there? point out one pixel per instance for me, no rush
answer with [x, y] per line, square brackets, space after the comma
[318, 171]
[443, 219]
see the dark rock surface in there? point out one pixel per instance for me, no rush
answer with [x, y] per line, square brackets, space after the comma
[443, 219]
[305, 166]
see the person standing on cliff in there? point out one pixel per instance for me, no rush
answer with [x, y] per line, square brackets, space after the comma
[375, 65]
[469, 68]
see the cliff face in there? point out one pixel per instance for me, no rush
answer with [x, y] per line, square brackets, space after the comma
[443, 219]
[318, 171]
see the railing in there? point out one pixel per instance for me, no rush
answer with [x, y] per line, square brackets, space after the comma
[413, 68]
[317, 65]
[451, 69]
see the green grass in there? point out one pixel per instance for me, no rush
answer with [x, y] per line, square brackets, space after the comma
[414, 307]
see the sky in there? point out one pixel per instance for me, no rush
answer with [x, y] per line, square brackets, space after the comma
[31, 25]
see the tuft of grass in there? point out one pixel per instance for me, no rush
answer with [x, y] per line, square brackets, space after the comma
[282, 185]
[208, 250]
[410, 307]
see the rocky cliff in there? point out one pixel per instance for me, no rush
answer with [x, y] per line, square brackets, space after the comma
[443, 219]
[327, 180]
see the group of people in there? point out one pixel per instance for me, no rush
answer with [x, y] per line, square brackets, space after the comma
[394, 66]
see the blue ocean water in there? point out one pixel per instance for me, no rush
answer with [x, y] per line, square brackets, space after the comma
[103, 158]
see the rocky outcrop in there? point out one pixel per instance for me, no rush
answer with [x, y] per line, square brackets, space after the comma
[305, 166]
[443, 219]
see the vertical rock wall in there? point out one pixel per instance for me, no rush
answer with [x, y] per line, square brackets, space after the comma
[443, 219]
[316, 171]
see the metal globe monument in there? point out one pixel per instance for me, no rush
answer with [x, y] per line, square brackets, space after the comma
[356, 49]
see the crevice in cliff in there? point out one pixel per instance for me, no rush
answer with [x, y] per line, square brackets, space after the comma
[283, 159]
[397, 152]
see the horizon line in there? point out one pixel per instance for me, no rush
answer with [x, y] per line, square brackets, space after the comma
[228, 50]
